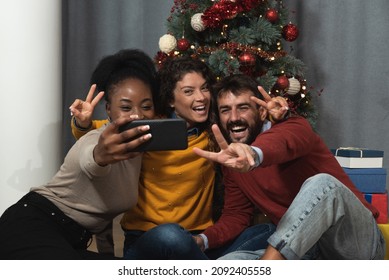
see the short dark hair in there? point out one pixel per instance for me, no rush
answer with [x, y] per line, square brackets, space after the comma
[237, 84]
[172, 71]
[123, 65]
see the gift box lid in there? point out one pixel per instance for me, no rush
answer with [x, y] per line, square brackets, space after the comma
[365, 171]
[356, 152]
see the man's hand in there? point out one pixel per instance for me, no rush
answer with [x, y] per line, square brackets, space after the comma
[83, 110]
[277, 107]
[237, 156]
[199, 241]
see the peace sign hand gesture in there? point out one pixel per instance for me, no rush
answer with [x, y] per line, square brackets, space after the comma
[237, 156]
[277, 107]
[83, 110]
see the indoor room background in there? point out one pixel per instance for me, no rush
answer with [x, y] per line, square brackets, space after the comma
[49, 48]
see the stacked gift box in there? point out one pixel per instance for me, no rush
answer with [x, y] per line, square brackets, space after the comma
[365, 169]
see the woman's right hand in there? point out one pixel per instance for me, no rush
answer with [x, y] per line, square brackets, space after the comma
[83, 110]
[114, 146]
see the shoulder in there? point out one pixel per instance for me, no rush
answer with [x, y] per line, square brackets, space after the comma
[297, 122]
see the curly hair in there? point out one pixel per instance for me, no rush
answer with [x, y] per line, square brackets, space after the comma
[172, 71]
[123, 65]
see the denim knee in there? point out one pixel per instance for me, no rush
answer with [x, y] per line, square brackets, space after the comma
[166, 241]
[169, 234]
[321, 183]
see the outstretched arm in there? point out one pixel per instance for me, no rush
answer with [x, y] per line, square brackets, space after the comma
[237, 156]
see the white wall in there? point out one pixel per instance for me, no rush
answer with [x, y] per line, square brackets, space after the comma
[30, 90]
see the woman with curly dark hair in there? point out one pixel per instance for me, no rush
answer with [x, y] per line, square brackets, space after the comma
[98, 179]
[177, 189]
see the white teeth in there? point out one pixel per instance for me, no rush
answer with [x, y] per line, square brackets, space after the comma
[238, 128]
[199, 108]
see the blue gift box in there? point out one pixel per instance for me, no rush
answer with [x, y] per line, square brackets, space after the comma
[368, 180]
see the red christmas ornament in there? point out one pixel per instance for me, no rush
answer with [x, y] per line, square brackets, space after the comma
[247, 59]
[183, 44]
[290, 32]
[282, 82]
[271, 15]
[160, 58]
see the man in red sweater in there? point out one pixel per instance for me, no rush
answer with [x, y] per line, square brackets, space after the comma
[285, 170]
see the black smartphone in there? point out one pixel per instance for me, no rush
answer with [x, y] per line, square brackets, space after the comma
[167, 134]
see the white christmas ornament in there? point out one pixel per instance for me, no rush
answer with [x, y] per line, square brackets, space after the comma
[167, 43]
[294, 86]
[197, 23]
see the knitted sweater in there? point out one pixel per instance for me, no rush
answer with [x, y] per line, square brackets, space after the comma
[90, 194]
[292, 153]
[174, 187]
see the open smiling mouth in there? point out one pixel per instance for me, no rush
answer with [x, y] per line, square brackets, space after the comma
[238, 129]
[200, 109]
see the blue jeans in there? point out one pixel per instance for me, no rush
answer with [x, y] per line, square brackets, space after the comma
[172, 242]
[326, 219]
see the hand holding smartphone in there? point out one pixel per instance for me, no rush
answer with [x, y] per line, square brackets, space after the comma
[166, 134]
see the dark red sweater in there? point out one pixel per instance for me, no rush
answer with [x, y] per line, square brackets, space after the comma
[292, 153]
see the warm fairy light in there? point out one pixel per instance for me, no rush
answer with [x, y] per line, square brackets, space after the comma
[232, 47]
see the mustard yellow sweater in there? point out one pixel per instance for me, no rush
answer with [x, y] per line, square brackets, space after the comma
[77, 133]
[174, 187]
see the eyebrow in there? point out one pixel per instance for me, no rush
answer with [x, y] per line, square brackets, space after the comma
[187, 86]
[224, 106]
[237, 105]
[130, 101]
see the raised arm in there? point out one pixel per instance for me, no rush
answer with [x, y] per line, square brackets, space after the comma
[82, 112]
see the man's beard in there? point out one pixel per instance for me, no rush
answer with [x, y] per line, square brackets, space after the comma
[253, 131]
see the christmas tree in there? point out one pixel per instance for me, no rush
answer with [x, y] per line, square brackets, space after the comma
[241, 36]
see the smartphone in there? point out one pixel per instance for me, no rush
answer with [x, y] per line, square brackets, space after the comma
[166, 134]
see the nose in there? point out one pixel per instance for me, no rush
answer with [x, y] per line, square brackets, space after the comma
[234, 115]
[138, 111]
[200, 96]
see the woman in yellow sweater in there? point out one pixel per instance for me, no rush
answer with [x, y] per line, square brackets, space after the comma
[176, 188]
